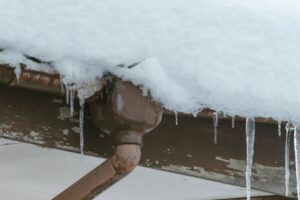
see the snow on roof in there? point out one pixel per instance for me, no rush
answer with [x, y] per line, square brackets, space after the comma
[240, 57]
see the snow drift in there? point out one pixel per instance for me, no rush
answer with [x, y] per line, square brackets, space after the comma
[240, 57]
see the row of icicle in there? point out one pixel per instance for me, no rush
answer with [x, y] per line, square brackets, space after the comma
[70, 91]
[250, 138]
[70, 96]
[83, 92]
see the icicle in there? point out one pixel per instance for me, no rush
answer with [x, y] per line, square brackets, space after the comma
[176, 118]
[216, 121]
[287, 161]
[250, 135]
[84, 92]
[18, 72]
[72, 96]
[297, 158]
[62, 85]
[279, 128]
[233, 121]
[81, 125]
[288, 127]
[195, 114]
[67, 94]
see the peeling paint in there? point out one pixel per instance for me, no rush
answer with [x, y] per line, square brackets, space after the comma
[4, 142]
[58, 101]
[76, 129]
[34, 134]
[266, 177]
[64, 113]
[120, 103]
[4, 126]
[108, 132]
[66, 131]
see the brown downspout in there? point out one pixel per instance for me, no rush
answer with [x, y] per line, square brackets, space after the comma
[124, 160]
[122, 111]
[127, 114]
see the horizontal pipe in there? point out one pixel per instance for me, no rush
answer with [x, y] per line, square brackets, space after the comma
[31, 79]
[45, 82]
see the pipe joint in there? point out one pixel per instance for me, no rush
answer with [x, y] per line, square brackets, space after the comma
[126, 113]
[126, 158]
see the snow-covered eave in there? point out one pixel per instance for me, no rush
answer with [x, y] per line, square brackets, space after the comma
[250, 125]
[208, 113]
[47, 68]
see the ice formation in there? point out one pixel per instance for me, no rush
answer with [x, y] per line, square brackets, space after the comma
[287, 157]
[176, 118]
[81, 125]
[279, 128]
[297, 158]
[215, 116]
[250, 136]
[83, 93]
[72, 97]
[67, 94]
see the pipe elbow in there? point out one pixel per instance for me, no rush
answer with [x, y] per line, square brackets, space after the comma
[126, 158]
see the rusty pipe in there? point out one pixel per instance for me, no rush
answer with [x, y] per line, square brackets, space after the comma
[123, 161]
[31, 79]
[43, 82]
[127, 115]
[39, 81]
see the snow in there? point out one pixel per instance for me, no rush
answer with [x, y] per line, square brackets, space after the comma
[32, 172]
[191, 54]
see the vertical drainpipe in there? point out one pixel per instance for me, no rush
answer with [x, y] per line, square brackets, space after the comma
[127, 115]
